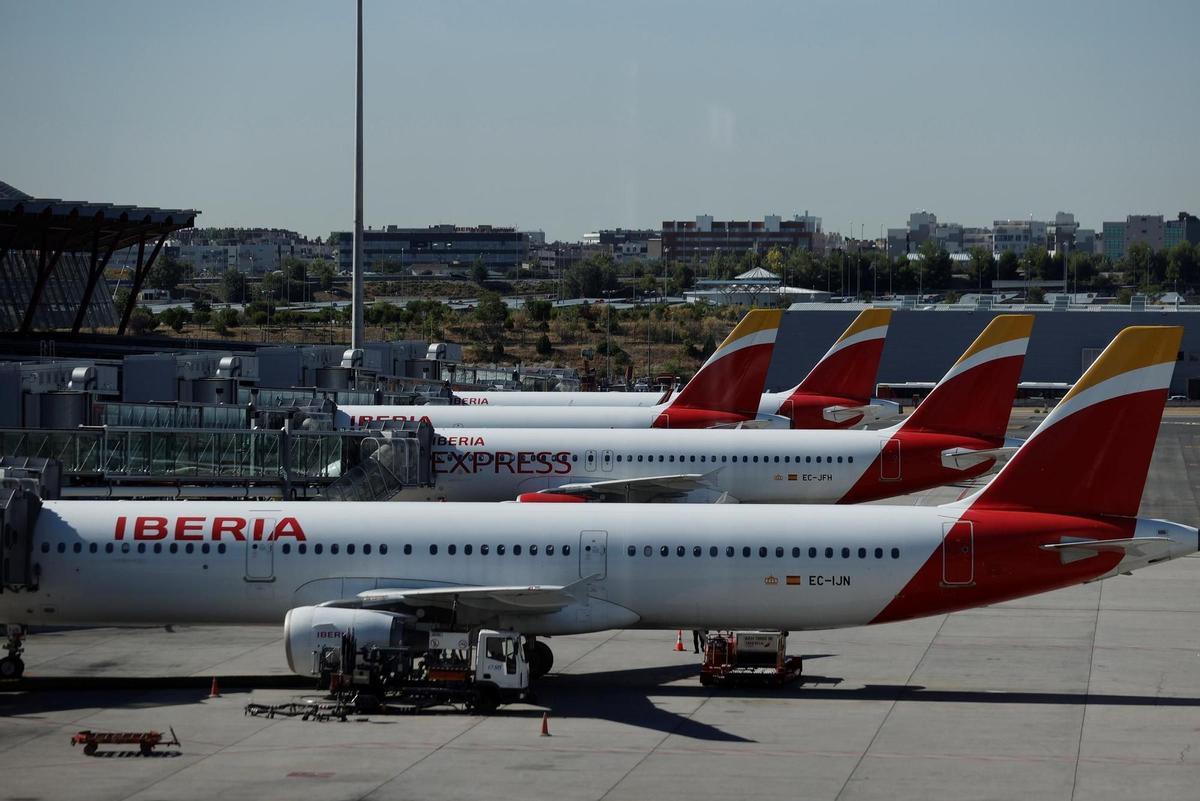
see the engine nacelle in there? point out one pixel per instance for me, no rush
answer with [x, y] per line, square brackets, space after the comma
[310, 630]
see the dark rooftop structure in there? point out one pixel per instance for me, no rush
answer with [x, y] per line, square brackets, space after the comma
[53, 254]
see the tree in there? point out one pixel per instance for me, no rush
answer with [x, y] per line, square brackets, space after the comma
[1137, 264]
[491, 314]
[1183, 264]
[1006, 268]
[325, 272]
[175, 318]
[1081, 269]
[235, 286]
[936, 265]
[592, 277]
[538, 310]
[142, 321]
[479, 272]
[1036, 262]
[544, 348]
[982, 265]
[167, 272]
[270, 288]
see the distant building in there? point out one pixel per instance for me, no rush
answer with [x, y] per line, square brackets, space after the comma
[249, 250]
[623, 244]
[923, 226]
[499, 249]
[977, 238]
[1016, 236]
[1151, 230]
[700, 240]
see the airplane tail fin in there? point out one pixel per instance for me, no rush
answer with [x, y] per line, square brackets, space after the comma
[848, 369]
[1091, 454]
[975, 398]
[733, 377]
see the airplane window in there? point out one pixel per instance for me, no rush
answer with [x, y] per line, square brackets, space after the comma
[724, 458]
[367, 549]
[108, 547]
[318, 548]
[828, 553]
[862, 553]
[647, 551]
[62, 547]
[703, 458]
[549, 550]
[483, 550]
[693, 458]
[845, 553]
[631, 550]
[680, 550]
[287, 548]
[407, 550]
[382, 549]
[878, 553]
[639, 457]
[697, 550]
[190, 548]
[77, 547]
[93, 548]
[818, 460]
[807, 459]
[467, 549]
[45, 547]
[500, 550]
[839, 460]
[787, 460]
[895, 553]
[141, 547]
[516, 550]
[776, 460]
[157, 547]
[671, 458]
[174, 547]
[618, 457]
[812, 553]
[124, 548]
[829, 460]
[745, 459]
[729, 550]
[795, 553]
[566, 550]
[850, 459]
[450, 549]
[745, 551]
[574, 457]
[664, 550]
[660, 457]
[206, 547]
[756, 460]
[712, 551]
[762, 552]
[333, 549]
[778, 552]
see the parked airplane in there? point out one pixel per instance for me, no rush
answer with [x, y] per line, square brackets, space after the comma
[725, 391]
[836, 393]
[1061, 512]
[957, 434]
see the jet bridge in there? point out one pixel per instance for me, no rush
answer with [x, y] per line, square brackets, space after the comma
[24, 483]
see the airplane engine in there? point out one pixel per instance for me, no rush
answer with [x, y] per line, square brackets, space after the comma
[311, 631]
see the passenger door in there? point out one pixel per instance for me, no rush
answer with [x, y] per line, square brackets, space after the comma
[889, 460]
[958, 554]
[260, 555]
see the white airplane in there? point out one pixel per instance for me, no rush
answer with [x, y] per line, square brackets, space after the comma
[836, 393]
[1062, 511]
[725, 391]
[957, 434]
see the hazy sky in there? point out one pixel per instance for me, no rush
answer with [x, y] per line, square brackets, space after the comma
[571, 116]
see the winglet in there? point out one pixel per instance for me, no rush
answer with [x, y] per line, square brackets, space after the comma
[975, 396]
[733, 377]
[848, 369]
[1091, 454]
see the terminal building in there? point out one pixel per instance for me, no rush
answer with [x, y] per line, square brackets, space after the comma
[438, 248]
[705, 237]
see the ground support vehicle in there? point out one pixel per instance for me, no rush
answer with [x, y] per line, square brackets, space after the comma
[748, 658]
[144, 740]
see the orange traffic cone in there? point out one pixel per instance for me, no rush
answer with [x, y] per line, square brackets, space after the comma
[545, 724]
[679, 640]
[215, 692]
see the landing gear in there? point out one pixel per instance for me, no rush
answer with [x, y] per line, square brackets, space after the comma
[541, 659]
[12, 667]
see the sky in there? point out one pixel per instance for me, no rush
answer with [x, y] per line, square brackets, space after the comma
[573, 116]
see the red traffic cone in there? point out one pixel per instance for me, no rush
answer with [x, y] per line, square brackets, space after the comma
[215, 692]
[679, 640]
[545, 724]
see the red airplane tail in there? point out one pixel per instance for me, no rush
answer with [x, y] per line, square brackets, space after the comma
[975, 398]
[1091, 454]
[848, 369]
[732, 378]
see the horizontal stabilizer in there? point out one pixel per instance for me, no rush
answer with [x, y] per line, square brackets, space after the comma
[840, 414]
[966, 458]
[1148, 549]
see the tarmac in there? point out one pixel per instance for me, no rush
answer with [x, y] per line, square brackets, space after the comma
[1087, 693]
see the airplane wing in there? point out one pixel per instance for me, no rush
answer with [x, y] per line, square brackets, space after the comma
[634, 489]
[533, 599]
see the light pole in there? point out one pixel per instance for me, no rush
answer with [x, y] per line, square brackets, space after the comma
[356, 311]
